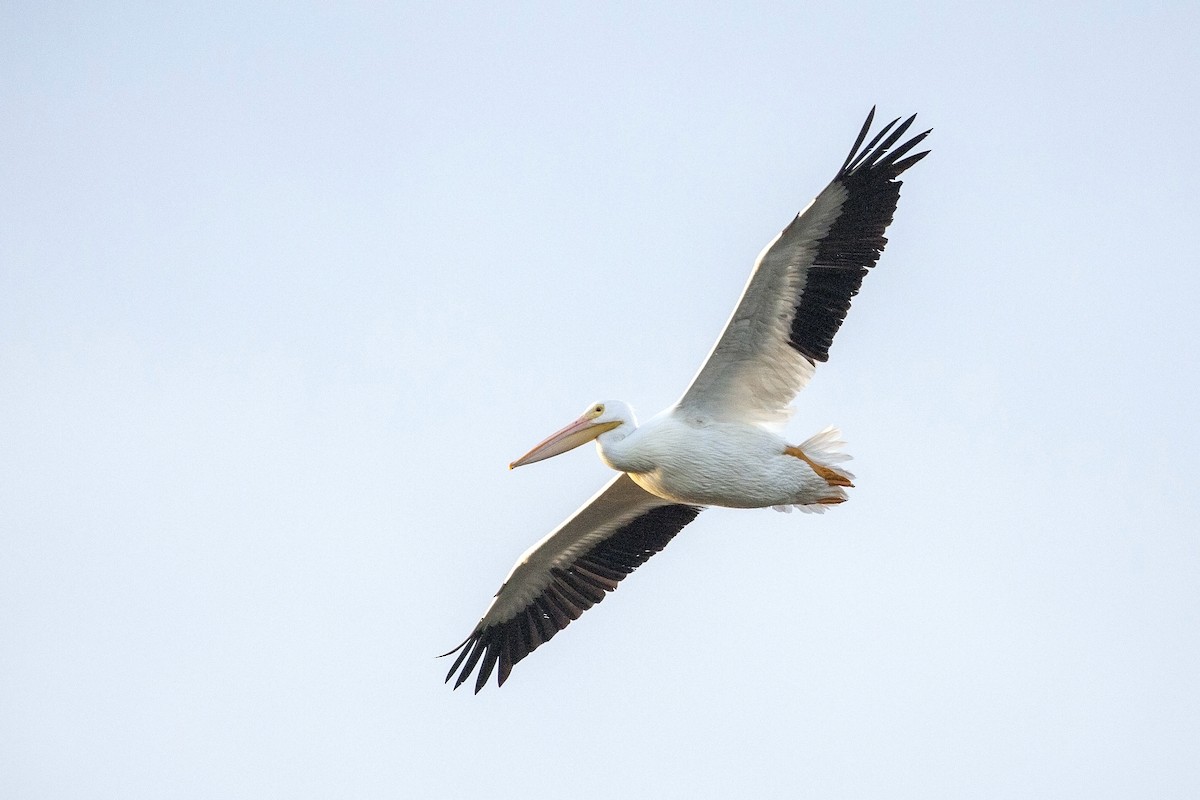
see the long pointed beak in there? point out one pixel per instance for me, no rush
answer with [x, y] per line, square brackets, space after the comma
[581, 431]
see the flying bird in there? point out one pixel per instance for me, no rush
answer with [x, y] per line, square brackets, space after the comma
[720, 444]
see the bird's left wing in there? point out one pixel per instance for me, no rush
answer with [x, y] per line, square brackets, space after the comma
[567, 573]
[801, 286]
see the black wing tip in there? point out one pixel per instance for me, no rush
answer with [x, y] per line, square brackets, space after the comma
[878, 156]
[854, 242]
[489, 648]
[862, 135]
[468, 651]
[454, 650]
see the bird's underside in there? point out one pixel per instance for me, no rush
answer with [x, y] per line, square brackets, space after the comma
[794, 303]
[735, 465]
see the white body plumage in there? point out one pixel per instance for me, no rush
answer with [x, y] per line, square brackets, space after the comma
[690, 459]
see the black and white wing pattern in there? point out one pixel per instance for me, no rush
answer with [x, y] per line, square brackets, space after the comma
[567, 573]
[801, 286]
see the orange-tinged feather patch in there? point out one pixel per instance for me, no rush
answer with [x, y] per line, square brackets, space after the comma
[831, 476]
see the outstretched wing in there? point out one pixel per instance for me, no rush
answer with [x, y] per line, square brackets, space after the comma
[567, 573]
[801, 286]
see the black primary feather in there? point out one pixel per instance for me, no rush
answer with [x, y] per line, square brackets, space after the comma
[571, 591]
[855, 240]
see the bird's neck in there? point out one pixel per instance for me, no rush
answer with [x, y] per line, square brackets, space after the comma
[619, 449]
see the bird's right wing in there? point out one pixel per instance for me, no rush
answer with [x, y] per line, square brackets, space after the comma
[567, 573]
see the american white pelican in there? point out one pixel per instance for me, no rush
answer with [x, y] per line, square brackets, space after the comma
[718, 446]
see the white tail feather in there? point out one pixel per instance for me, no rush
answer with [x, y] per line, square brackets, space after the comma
[812, 508]
[825, 448]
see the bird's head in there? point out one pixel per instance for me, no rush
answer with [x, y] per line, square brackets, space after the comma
[600, 418]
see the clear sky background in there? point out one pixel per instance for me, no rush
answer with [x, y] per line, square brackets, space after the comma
[284, 288]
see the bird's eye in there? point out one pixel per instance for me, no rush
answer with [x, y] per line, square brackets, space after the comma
[598, 410]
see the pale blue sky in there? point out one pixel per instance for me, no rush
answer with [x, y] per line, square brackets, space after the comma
[283, 290]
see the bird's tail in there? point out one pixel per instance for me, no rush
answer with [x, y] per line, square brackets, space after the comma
[821, 451]
[825, 449]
